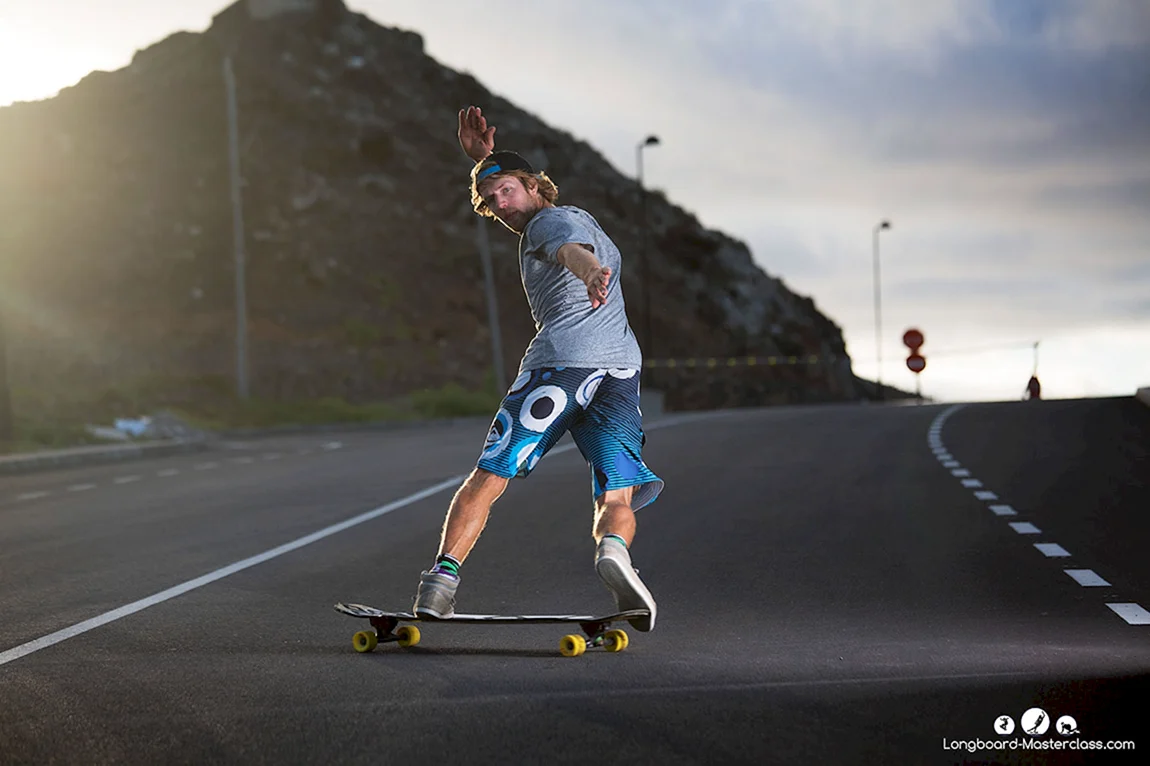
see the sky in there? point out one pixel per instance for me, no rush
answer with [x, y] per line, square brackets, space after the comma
[1006, 141]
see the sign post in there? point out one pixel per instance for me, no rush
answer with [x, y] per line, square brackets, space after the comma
[916, 362]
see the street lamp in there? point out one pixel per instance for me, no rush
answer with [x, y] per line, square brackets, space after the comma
[878, 310]
[649, 141]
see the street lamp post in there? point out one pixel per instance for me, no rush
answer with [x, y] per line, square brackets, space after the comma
[649, 141]
[239, 260]
[7, 421]
[878, 310]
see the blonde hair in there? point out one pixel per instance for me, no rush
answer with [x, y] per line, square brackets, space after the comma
[547, 188]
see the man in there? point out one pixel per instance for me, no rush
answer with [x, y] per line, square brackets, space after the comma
[579, 374]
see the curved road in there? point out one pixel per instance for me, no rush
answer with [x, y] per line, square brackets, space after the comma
[839, 584]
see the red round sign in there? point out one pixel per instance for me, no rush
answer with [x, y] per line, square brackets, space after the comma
[913, 339]
[916, 363]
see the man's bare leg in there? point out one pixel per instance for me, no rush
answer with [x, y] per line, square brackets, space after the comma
[614, 531]
[468, 513]
[465, 521]
[613, 515]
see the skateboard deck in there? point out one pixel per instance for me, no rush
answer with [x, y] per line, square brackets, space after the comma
[598, 630]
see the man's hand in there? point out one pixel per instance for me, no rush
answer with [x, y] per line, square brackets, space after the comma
[475, 137]
[597, 283]
[581, 262]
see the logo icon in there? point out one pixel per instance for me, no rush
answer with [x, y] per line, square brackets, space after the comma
[1066, 726]
[1004, 725]
[1035, 722]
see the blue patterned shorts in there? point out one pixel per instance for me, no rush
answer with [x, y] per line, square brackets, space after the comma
[601, 410]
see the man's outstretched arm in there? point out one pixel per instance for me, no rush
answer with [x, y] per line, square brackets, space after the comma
[581, 262]
[475, 137]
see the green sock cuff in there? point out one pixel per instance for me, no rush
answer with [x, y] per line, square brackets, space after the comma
[615, 537]
[447, 564]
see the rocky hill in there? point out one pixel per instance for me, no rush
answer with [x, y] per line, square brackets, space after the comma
[363, 278]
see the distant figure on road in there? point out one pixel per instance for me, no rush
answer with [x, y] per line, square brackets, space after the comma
[580, 374]
[1033, 389]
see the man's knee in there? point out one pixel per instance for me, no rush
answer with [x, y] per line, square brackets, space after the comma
[621, 496]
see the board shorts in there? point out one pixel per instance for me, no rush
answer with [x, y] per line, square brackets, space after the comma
[600, 407]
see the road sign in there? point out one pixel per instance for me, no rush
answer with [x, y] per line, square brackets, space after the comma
[916, 363]
[913, 339]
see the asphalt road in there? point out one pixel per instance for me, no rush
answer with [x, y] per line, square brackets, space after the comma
[829, 592]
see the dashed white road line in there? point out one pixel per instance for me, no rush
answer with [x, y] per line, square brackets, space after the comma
[167, 472]
[1133, 614]
[1087, 578]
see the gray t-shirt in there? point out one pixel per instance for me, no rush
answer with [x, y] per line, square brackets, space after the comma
[569, 332]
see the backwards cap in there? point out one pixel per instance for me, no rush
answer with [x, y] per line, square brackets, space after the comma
[499, 162]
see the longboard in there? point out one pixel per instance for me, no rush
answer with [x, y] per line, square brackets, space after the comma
[387, 629]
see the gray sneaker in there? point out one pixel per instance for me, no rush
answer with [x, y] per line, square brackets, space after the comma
[613, 564]
[436, 595]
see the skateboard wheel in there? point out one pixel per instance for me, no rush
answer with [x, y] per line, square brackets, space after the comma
[615, 640]
[408, 635]
[572, 645]
[364, 641]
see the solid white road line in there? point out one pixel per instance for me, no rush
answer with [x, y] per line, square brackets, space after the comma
[83, 627]
[178, 590]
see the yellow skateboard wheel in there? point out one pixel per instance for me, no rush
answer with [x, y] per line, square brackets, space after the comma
[364, 641]
[615, 640]
[572, 645]
[408, 635]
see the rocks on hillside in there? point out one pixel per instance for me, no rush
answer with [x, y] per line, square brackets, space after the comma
[363, 279]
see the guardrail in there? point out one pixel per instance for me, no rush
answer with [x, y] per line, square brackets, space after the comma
[739, 361]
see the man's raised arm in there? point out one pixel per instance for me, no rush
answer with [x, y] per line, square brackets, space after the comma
[475, 137]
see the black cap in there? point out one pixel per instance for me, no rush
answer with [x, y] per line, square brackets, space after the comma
[499, 162]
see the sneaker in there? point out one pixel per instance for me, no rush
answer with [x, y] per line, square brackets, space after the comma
[436, 595]
[613, 564]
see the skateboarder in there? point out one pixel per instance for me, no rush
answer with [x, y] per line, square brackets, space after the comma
[1033, 390]
[580, 374]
